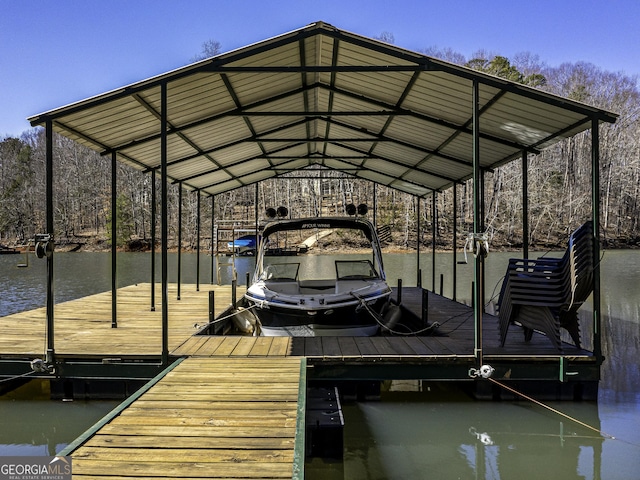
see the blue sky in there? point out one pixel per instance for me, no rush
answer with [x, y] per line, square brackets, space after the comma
[53, 53]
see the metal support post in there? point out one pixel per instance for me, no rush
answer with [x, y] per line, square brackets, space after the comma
[595, 200]
[50, 227]
[153, 240]
[114, 242]
[213, 245]
[419, 281]
[179, 238]
[525, 205]
[198, 240]
[434, 231]
[477, 224]
[455, 242]
[164, 222]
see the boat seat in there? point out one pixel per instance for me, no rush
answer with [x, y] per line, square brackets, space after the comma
[545, 294]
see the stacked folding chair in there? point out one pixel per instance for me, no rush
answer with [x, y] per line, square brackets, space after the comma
[545, 294]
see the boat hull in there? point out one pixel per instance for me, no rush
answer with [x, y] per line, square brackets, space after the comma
[346, 320]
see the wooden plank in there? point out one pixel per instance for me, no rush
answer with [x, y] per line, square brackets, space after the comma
[150, 441]
[418, 345]
[313, 347]
[400, 346]
[210, 346]
[244, 346]
[213, 417]
[261, 346]
[382, 346]
[281, 346]
[190, 346]
[176, 455]
[348, 347]
[330, 347]
[200, 469]
[365, 346]
[227, 345]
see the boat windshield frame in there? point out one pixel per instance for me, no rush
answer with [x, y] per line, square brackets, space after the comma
[316, 224]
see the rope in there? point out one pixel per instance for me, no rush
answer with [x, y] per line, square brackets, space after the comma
[376, 316]
[16, 377]
[569, 417]
[218, 320]
[213, 322]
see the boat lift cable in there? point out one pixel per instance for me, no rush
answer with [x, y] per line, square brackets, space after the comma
[554, 410]
[17, 377]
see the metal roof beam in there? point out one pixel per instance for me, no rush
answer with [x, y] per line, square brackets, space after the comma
[204, 121]
[240, 162]
[381, 138]
[394, 162]
[429, 119]
[232, 144]
[238, 104]
[182, 136]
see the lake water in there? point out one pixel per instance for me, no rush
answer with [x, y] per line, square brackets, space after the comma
[435, 433]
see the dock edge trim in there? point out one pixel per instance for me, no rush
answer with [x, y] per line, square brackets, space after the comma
[299, 447]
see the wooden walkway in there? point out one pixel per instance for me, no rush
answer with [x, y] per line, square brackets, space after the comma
[206, 418]
[83, 326]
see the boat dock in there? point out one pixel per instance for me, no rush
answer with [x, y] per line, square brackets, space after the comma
[230, 406]
[87, 345]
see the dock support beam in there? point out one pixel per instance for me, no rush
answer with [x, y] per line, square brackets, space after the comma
[434, 232]
[179, 238]
[454, 265]
[419, 235]
[164, 222]
[198, 240]
[213, 245]
[153, 240]
[114, 241]
[595, 200]
[525, 205]
[49, 212]
[477, 224]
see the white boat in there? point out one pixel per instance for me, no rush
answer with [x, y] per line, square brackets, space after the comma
[321, 292]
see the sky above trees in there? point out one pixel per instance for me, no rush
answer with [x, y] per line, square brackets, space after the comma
[55, 53]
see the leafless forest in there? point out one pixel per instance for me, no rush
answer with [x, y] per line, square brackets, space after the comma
[559, 179]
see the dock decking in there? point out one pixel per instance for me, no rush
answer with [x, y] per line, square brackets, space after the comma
[206, 418]
[83, 331]
[83, 326]
[230, 406]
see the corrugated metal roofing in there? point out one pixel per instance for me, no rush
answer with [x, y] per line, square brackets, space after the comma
[321, 96]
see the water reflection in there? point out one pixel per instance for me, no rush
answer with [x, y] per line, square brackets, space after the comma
[31, 424]
[417, 436]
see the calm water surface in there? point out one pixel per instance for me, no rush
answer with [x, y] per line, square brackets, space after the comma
[437, 433]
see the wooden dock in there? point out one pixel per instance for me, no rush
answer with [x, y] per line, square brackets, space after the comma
[230, 406]
[223, 417]
[83, 332]
[83, 326]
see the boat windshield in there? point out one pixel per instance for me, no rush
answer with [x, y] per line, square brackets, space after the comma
[319, 254]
